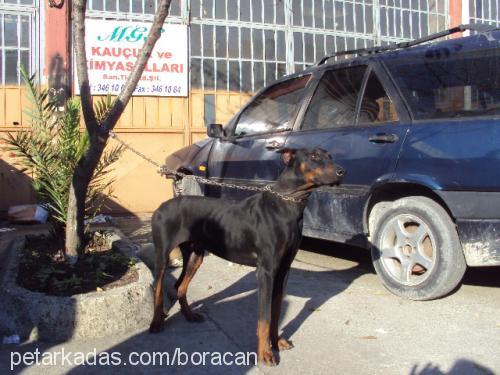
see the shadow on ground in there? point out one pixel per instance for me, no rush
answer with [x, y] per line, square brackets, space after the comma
[231, 315]
[230, 325]
[460, 367]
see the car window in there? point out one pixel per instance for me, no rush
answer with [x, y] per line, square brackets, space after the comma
[333, 104]
[444, 84]
[376, 106]
[273, 109]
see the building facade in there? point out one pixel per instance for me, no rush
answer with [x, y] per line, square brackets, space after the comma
[236, 47]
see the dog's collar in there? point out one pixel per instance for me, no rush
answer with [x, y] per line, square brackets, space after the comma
[297, 195]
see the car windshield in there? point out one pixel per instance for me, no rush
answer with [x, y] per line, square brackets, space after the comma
[448, 84]
[273, 109]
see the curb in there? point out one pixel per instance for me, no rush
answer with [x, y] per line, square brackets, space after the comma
[37, 316]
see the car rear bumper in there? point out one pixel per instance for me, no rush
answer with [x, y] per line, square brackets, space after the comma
[480, 241]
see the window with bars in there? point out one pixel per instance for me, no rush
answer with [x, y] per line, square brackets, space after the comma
[412, 19]
[244, 45]
[133, 8]
[17, 20]
[245, 53]
[255, 11]
[321, 27]
[236, 58]
[484, 11]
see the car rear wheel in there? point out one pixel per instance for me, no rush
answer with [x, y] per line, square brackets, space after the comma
[415, 248]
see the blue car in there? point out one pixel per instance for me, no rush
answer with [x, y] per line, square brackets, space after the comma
[417, 128]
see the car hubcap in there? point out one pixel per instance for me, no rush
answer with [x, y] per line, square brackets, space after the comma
[408, 249]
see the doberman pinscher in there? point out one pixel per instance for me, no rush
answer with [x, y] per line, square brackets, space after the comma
[263, 230]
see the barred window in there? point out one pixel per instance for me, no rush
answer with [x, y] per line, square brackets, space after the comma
[132, 7]
[484, 11]
[244, 45]
[412, 19]
[236, 58]
[17, 25]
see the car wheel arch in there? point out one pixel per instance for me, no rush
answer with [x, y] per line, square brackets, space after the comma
[384, 195]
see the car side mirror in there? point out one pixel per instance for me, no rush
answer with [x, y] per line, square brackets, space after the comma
[215, 131]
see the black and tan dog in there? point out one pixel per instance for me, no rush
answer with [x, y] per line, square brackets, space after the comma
[263, 230]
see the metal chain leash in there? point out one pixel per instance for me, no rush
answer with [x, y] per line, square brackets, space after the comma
[113, 135]
[169, 173]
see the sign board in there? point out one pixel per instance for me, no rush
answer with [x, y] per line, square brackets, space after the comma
[113, 46]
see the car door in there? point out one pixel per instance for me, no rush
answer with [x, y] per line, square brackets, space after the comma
[247, 154]
[352, 116]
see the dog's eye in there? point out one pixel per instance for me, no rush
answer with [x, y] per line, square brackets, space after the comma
[315, 157]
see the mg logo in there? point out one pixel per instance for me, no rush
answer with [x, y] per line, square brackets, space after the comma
[126, 33]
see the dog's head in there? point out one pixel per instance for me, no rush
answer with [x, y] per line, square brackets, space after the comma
[313, 166]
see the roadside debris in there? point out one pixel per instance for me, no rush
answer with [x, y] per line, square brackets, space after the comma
[99, 219]
[27, 214]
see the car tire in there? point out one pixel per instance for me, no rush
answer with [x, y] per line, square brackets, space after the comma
[415, 248]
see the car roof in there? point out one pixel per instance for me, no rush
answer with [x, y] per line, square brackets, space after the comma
[477, 42]
[486, 39]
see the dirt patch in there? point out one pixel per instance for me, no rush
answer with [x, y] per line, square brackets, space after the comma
[42, 267]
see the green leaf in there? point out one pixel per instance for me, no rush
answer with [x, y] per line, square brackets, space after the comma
[53, 147]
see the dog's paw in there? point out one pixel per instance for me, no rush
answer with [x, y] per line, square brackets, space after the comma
[157, 324]
[195, 318]
[283, 344]
[267, 358]
[156, 327]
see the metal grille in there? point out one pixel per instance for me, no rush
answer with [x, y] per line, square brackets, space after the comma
[17, 39]
[18, 2]
[412, 19]
[243, 45]
[135, 9]
[234, 58]
[484, 11]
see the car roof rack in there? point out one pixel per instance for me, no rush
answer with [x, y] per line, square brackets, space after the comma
[481, 28]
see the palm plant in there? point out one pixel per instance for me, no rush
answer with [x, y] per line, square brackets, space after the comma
[51, 149]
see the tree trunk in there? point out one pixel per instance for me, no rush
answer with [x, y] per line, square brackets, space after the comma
[72, 239]
[98, 132]
[75, 225]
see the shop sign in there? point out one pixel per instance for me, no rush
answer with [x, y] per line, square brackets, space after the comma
[112, 49]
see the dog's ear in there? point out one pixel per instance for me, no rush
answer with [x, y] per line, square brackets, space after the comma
[287, 154]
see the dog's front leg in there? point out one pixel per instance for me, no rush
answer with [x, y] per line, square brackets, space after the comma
[279, 343]
[265, 285]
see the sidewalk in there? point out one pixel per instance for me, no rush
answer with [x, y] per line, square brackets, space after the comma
[336, 312]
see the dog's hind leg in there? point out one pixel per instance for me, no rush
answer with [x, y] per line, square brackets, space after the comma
[159, 316]
[265, 280]
[192, 260]
[186, 249]
[162, 249]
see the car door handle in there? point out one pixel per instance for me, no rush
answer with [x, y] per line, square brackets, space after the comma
[384, 138]
[274, 144]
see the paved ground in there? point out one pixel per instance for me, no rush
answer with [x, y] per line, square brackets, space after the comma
[337, 314]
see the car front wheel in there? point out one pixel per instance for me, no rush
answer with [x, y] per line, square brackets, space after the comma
[415, 248]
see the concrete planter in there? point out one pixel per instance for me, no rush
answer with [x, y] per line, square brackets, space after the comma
[37, 316]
